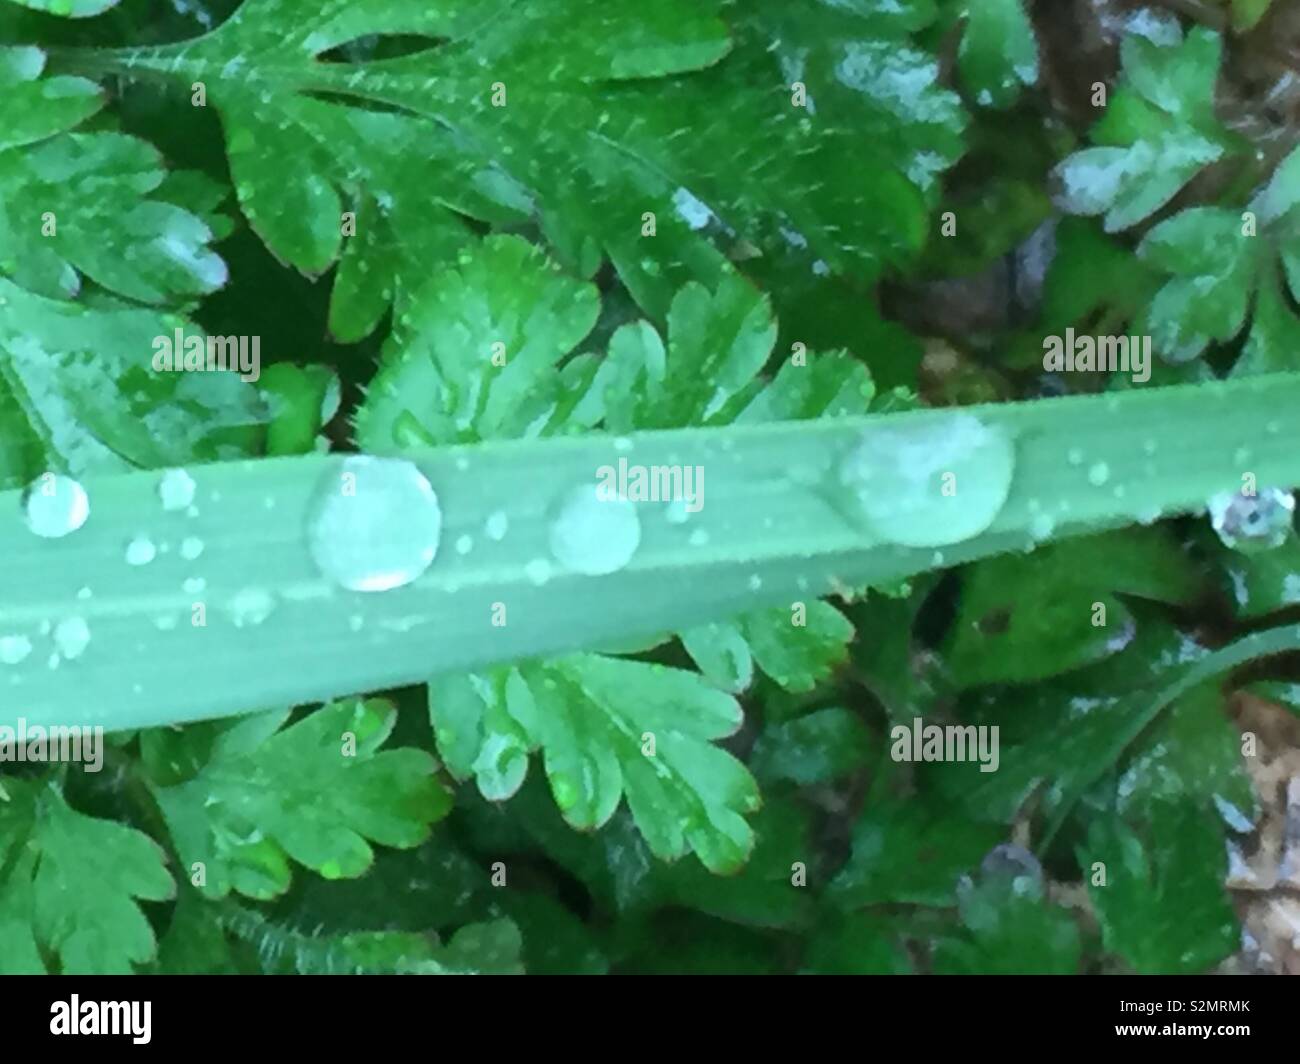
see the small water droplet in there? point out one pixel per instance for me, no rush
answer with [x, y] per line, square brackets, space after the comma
[698, 538]
[929, 483]
[1042, 526]
[141, 551]
[496, 526]
[54, 505]
[194, 584]
[675, 513]
[14, 649]
[176, 490]
[1252, 523]
[191, 548]
[594, 535]
[375, 524]
[250, 607]
[72, 636]
[1098, 474]
[538, 571]
[464, 544]
[1074, 456]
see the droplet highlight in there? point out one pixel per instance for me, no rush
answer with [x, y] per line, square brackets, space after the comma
[375, 524]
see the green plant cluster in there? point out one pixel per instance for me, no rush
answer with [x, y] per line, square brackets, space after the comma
[703, 218]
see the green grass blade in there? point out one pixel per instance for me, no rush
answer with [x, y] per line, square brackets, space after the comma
[771, 532]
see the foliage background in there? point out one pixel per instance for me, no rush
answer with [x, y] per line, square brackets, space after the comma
[777, 225]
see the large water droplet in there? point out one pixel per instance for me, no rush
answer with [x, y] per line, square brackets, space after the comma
[1252, 523]
[592, 534]
[375, 524]
[55, 505]
[932, 483]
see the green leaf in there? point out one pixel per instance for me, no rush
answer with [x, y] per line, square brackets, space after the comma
[855, 944]
[68, 8]
[516, 316]
[1027, 617]
[1214, 266]
[303, 649]
[595, 720]
[1246, 14]
[1148, 713]
[822, 746]
[33, 107]
[1162, 907]
[1009, 931]
[776, 887]
[313, 792]
[84, 211]
[464, 119]
[1159, 132]
[73, 884]
[82, 379]
[1264, 582]
[998, 54]
[909, 851]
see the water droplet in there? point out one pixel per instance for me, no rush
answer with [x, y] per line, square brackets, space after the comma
[1252, 523]
[375, 524]
[496, 526]
[194, 584]
[176, 490]
[191, 548]
[594, 535]
[250, 607]
[675, 512]
[538, 571]
[140, 551]
[464, 544]
[1074, 456]
[72, 636]
[1098, 474]
[54, 505]
[698, 538]
[930, 483]
[1042, 526]
[14, 649]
